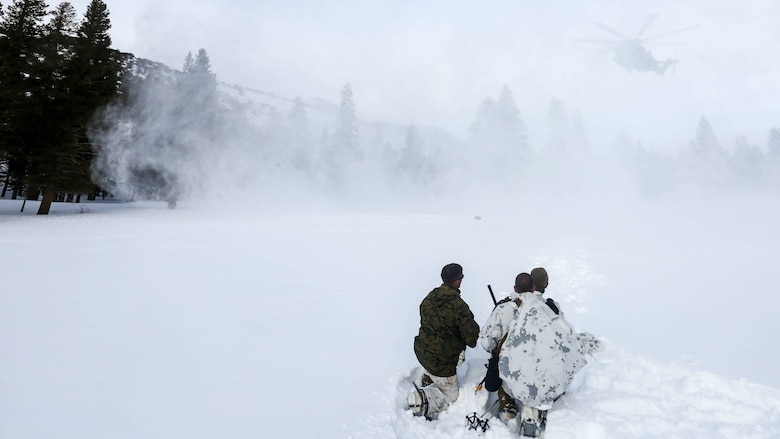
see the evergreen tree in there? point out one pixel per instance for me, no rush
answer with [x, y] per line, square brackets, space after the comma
[189, 62]
[199, 87]
[91, 80]
[706, 164]
[62, 28]
[3, 110]
[706, 143]
[746, 161]
[773, 143]
[498, 134]
[773, 156]
[24, 90]
[510, 121]
[346, 136]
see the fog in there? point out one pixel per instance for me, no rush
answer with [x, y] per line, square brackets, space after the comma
[669, 175]
[433, 64]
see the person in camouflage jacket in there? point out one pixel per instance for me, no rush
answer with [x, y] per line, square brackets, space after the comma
[447, 326]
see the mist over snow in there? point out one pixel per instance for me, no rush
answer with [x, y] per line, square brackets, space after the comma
[682, 222]
[434, 63]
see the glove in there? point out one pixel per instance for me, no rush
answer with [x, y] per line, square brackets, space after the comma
[492, 380]
[590, 344]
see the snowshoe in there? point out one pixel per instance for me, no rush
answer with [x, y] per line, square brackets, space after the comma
[476, 422]
[418, 402]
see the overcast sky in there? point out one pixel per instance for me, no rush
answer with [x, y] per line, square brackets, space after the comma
[433, 62]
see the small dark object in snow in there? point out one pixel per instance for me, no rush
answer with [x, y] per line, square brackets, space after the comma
[474, 422]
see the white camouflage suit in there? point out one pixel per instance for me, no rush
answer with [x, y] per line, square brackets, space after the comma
[541, 353]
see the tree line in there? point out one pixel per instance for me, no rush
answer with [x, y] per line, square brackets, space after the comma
[55, 71]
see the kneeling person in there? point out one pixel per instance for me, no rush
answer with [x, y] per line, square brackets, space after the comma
[447, 326]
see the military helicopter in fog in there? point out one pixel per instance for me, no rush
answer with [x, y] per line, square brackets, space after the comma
[631, 53]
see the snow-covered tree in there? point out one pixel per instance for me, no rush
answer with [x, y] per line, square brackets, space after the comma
[773, 142]
[346, 135]
[705, 143]
[746, 163]
[498, 136]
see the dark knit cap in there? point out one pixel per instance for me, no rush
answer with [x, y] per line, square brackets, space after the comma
[524, 283]
[451, 272]
[539, 276]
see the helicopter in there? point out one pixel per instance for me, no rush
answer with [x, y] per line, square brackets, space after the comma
[631, 53]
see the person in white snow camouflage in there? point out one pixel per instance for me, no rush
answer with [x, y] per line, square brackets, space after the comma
[538, 353]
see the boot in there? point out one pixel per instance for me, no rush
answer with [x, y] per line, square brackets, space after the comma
[507, 408]
[532, 422]
[418, 402]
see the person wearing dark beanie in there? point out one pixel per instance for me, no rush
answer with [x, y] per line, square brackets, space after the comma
[447, 326]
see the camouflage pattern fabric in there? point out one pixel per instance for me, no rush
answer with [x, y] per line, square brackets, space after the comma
[447, 326]
[541, 354]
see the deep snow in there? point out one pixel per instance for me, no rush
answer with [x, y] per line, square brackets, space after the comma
[127, 320]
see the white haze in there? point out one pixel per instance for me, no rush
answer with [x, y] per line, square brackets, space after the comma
[687, 243]
[433, 63]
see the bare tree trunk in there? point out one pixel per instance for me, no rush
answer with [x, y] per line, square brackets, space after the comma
[5, 184]
[48, 196]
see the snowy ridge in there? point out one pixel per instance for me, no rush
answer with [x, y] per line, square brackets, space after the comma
[322, 116]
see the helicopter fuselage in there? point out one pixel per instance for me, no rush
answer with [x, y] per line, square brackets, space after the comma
[632, 55]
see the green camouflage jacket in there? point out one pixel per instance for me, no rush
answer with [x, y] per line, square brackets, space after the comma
[446, 326]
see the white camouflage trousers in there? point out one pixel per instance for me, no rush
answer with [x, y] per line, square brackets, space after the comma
[440, 394]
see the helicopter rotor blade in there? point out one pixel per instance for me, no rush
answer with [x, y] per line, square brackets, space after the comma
[685, 29]
[581, 40]
[650, 19]
[613, 32]
[658, 43]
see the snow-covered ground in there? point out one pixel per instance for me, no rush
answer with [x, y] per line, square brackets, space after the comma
[128, 320]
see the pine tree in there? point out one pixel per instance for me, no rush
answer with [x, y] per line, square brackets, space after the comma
[705, 143]
[773, 143]
[90, 80]
[189, 62]
[773, 155]
[510, 121]
[346, 135]
[200, 87]
[498, 134]
[23, 94]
